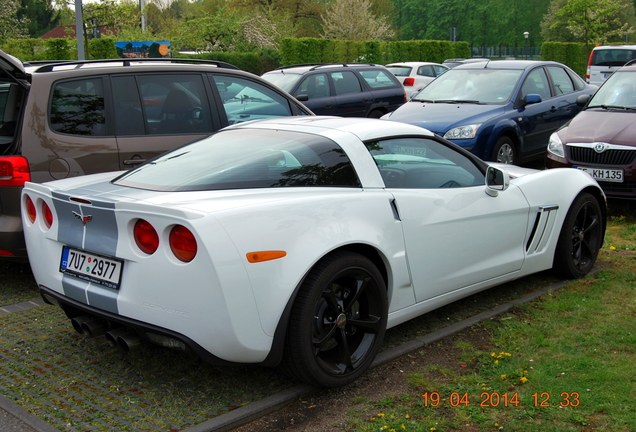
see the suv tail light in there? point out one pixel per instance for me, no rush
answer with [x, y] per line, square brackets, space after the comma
[183, 243]
[146, 237]
[589, 63]
[409, 81]
[14, 171]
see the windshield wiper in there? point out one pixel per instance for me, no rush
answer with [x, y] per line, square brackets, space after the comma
[611, 107]
[459, 101]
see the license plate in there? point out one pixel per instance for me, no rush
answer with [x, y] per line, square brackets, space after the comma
[603, 174]
[90, 267]
[407, 150]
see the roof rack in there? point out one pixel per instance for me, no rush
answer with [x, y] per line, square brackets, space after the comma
[49, 66]
[315, 66]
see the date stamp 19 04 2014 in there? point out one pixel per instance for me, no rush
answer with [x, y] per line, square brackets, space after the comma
[495, 399]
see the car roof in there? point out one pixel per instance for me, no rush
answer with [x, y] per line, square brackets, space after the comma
[413, 64]
[505, 64]
[303, 68]
[364, 128]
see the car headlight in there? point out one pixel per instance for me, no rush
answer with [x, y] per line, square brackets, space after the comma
[462, 132]
[555, 146]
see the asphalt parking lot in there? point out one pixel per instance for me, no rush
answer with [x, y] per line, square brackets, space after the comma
[56, 379]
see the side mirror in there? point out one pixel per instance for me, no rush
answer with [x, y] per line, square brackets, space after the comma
[302, 98]
[532, 99]
[583, 99]
[497, 180]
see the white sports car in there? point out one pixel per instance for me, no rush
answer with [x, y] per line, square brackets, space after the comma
[298, 241]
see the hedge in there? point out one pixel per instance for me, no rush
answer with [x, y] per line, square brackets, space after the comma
[572, 54]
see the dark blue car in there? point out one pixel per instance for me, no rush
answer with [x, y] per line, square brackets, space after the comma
[502, 111]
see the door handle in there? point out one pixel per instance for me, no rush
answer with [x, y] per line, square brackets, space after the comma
[134, 161]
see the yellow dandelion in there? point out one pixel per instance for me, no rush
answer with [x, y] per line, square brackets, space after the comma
[612, 248]
[372, 419]
[433, 429]
[402, 427]
[493, 355]
[496, 424]
[504, 376]
[496, 361]
[524, 380]
[407, 416]
[381, 415]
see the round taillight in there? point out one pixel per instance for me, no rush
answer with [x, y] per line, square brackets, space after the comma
[183, 243]
[47, 214]
[30, 209]
[146, 237]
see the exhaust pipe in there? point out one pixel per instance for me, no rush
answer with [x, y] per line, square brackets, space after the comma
[124, 339]
[94, 327]
[79, 320]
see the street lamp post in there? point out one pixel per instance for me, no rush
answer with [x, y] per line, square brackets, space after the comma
[526, 35]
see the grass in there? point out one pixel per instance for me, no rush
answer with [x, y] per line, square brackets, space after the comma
[566, 362]
[578, 338]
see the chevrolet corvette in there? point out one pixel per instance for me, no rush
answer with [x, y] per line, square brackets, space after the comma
[296, 242]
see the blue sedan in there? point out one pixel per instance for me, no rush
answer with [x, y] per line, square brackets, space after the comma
[503, 110]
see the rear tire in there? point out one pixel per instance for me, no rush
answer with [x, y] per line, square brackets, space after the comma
[375, 114]
[580, 239]
[337, 323]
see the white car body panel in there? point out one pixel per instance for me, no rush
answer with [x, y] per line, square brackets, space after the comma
[438, 245]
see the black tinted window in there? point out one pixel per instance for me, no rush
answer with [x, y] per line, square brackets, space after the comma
[423, 163]
[245, 159]
[77, 107]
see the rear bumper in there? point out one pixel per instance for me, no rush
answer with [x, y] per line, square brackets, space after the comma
[74, 309]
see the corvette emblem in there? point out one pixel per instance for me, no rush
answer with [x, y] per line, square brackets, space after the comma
[600, 147]
[82, 218]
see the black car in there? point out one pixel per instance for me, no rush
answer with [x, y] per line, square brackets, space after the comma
[346, 90]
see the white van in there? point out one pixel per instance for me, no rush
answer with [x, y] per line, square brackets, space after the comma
[604, 60]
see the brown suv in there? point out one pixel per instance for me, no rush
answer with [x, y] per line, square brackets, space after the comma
[67, 119]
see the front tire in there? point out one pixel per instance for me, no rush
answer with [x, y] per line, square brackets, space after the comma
[504, 151]
[338, 321]
[581, 238]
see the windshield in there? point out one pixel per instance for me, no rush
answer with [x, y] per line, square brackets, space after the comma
[618, 91]
[484, 86]
[244, 159]
[286, 81]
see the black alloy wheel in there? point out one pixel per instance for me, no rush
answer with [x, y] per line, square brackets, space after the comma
[338, 321]
[581, 238]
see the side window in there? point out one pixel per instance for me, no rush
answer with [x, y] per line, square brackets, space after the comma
[77, 107]
[174, 104]
[345, 82]
[377, 78]
[314, 86]
[561, 79]
[536, 83]
[439, 70]
[245, 100]
[129, 118]
[10, 97]
[423, 163]
[426, 71]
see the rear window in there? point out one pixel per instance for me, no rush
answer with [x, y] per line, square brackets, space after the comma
[400, 70]
[379, 78]
[612, 57]
[246, 159]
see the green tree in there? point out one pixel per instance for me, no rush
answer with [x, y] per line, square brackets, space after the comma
[12, 27]
[40, 14]
[589, 21]
[353, 20]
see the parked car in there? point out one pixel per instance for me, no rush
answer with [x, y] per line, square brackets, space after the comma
[346, 90]
[606, 59]
[298, 241]
[601, 139]
[502, 111]
[74, 118]
[416, 75]
[451, 63]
